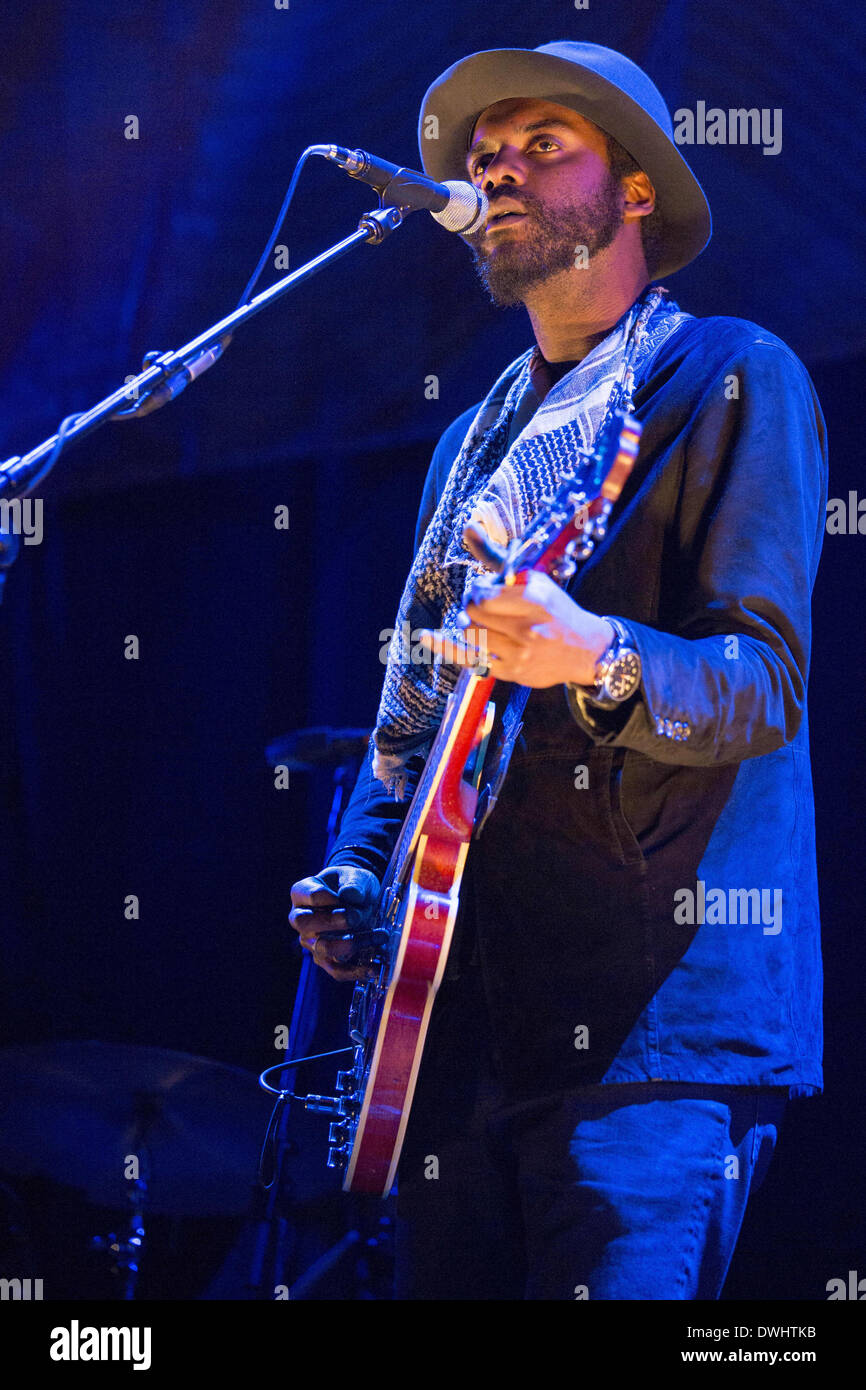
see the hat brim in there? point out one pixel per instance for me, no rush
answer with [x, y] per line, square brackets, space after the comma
[465, 89]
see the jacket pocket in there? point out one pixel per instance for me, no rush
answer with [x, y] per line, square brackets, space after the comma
[629, 845]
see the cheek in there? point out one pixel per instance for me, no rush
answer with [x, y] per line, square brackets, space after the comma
[571, 181]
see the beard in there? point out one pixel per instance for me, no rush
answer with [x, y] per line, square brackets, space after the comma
[508, 267]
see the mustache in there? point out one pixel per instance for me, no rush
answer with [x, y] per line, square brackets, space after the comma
[475, 239]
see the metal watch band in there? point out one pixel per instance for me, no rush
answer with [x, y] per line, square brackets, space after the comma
[618, 670]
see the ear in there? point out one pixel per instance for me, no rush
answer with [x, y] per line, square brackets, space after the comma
[640, 196]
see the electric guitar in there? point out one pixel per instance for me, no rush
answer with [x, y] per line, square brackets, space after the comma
[414, 919]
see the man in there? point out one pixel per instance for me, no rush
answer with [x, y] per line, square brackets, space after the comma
[634, 990]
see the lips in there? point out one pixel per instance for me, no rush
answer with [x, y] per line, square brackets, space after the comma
[504, 213]
[510, 220]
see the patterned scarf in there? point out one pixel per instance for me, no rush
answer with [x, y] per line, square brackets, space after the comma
[502, 491]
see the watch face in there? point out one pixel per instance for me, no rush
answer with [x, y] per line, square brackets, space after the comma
[623, 677]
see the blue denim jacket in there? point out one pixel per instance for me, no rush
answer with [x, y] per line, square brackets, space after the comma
[644, 894]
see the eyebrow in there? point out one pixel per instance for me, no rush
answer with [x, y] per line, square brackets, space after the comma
[553, 123]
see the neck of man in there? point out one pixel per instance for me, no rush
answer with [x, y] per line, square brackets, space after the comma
[573, 310]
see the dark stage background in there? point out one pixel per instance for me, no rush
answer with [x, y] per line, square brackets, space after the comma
[149, 776]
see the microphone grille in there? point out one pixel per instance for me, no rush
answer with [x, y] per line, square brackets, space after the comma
[466, 210]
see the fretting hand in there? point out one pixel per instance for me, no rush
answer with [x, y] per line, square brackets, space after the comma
[531, 633]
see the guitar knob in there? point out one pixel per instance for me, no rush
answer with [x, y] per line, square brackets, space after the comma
[562, 569]
[338, 1157]
[339, 1133]
[346, 1082]
[599, 528]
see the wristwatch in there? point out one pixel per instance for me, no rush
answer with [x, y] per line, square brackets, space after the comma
[617, 671]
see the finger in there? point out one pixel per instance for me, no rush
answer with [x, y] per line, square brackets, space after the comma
[322, 948]
[482, 548]
[310, 892]
[329, 943]
[312, 920]
[492, 608]
[505, 646]
[511, 658]
[354, 894]
[509, 641]
[321, 897]
[529, 595]
[452, 649]
[336, 970]
[511, 668]
[328, 954]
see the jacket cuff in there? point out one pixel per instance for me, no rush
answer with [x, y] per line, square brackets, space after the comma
[602, 725]
[359, 857]
[638, 723]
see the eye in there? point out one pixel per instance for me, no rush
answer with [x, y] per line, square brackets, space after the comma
[544, 140]
[479, 164]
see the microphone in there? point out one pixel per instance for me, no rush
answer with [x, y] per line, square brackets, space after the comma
[456, 206]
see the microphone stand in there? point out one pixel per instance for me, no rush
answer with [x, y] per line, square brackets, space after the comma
[166, 374]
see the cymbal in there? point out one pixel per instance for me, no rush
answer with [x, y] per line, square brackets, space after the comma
[75, 1112]
[303, 750]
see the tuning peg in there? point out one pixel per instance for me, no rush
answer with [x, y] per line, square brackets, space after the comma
[599, 525]
[339, 1133]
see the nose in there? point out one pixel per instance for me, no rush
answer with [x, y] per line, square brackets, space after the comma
[507, 164]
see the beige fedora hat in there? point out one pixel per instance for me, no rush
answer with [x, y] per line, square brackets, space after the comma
[596, 82]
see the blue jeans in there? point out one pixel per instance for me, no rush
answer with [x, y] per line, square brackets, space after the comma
[632, 1191]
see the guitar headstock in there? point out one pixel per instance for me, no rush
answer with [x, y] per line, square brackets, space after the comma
[565, 532]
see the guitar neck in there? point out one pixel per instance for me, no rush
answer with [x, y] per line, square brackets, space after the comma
[401, 857]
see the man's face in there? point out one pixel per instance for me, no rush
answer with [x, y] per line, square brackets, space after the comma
[551, 162]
